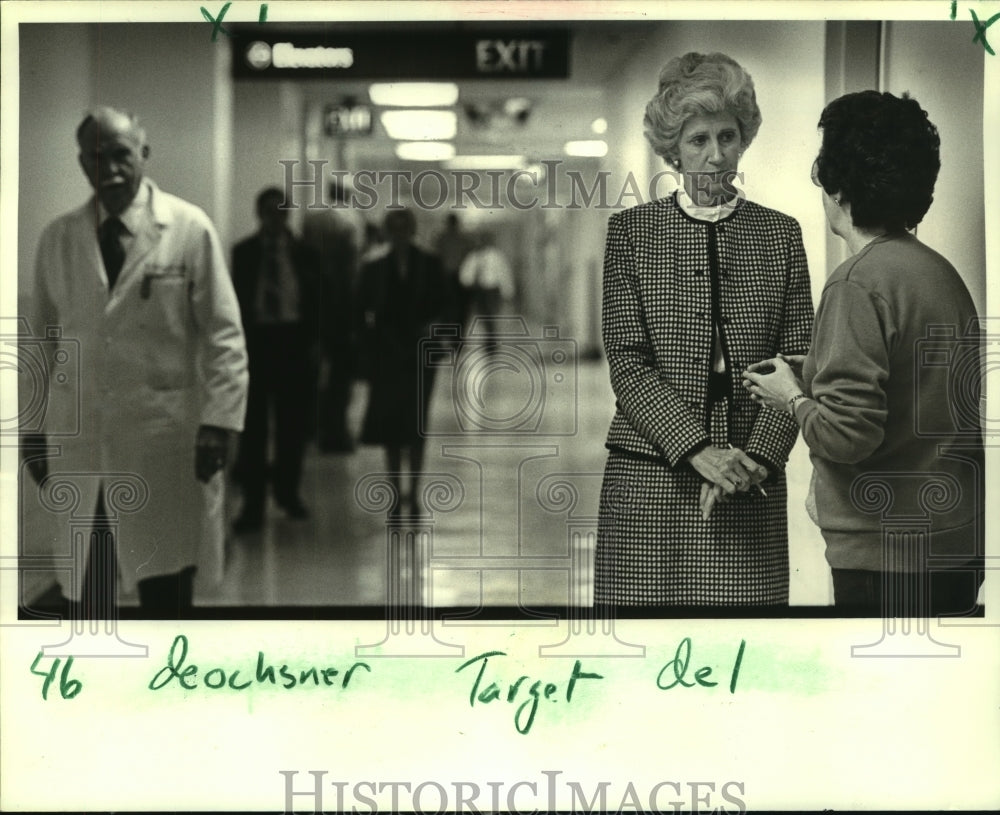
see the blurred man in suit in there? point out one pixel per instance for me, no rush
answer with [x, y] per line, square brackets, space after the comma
[336, 235]
[138, 277]
[276, 278]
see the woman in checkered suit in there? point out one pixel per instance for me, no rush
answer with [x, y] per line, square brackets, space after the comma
[697, 286]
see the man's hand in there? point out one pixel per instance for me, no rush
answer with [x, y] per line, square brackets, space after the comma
[211, 451]
[33, 454]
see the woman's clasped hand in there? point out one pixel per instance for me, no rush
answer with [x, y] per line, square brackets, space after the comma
[775, 382]
[726, 471]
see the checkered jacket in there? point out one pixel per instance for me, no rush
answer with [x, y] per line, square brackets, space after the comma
[664, 273]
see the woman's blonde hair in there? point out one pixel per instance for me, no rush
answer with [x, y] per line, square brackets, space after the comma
[698, 85]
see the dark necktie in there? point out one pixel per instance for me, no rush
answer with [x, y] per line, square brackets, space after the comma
[112, 251]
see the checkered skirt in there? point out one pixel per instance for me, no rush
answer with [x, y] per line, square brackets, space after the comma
[653, 548]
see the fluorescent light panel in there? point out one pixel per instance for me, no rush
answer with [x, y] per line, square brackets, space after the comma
[590, 148]
[487, 163]
[420, 125]
[414, 94]
[425, 151]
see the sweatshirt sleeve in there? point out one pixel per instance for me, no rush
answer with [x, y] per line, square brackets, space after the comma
[845, 421]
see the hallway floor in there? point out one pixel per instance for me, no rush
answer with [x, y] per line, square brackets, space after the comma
[510, 518]
[509, 523]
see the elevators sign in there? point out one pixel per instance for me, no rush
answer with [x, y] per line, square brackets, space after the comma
[422, 53]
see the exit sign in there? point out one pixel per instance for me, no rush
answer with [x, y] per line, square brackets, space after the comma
[348, 119]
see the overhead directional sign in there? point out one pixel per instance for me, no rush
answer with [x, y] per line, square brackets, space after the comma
[264, 52]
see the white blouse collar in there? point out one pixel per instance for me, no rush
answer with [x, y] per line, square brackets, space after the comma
[710, 213]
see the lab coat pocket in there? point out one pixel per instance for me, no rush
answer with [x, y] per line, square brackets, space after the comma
[167, 321]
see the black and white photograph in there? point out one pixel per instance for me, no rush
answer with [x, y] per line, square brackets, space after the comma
[596, 391]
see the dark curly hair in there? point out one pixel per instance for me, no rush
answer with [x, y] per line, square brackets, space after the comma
[880, 153]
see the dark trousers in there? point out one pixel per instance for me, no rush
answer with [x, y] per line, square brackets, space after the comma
[912, 594]
[169, 596]
[279, 385]
[164, 597]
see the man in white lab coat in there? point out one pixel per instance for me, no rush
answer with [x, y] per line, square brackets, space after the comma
[138, 278]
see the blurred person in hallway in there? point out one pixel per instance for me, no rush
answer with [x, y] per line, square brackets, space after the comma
[138, 278]
[453, 246]
[696, 286]
[336, 234]
[403, 293]
[889, 393]
[487, 281]
[277, 280]
[486, 276]
[375, 244]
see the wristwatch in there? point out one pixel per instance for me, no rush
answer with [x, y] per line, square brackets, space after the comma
[794, 401]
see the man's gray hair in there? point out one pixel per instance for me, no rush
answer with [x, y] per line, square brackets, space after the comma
[103, 113]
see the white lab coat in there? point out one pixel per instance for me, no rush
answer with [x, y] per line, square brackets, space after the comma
[163, 354]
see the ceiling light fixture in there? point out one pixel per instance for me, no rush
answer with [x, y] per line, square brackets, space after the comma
[587, 148]
[420, 125]
[425, 151]
[414, 94]
[487, 163]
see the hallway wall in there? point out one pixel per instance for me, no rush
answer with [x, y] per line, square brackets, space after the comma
[937, 65]
[269, 117]
[70, 68]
